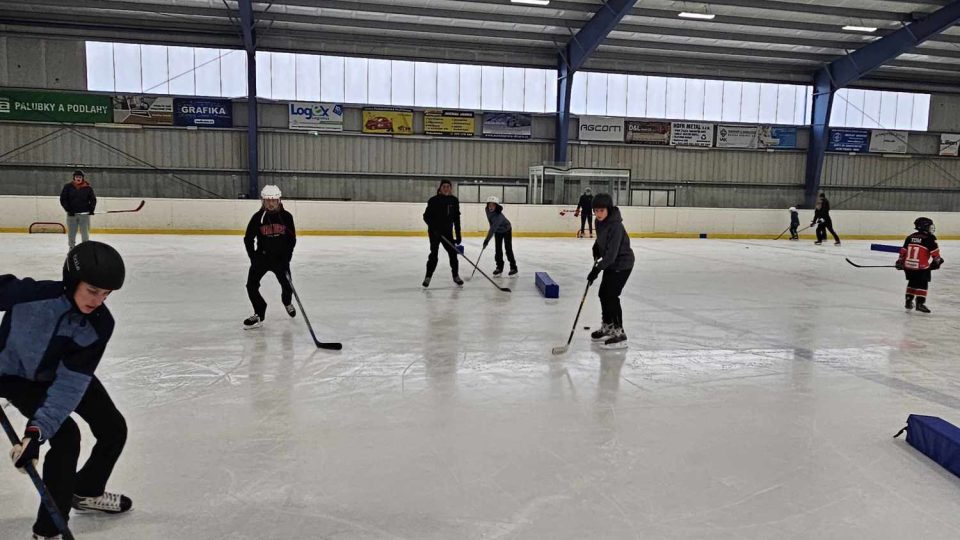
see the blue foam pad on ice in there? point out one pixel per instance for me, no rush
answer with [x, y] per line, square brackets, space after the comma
[882, 247]
[546, 285]
[937, 439]
[703, 235]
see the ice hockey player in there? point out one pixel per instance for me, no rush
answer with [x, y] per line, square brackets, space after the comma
[501, 230]
[275, 235]
[821, 218]
[52, 337]
[442, 217]
[918, 256]
[615, 260]
[794, 223]
[585, 211]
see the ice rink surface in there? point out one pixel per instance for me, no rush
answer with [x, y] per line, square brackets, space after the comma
[757, 400]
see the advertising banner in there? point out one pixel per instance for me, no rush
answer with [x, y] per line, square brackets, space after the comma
[885, 141]
[203, 112]
[387, 121]
[737, 136]
[315, 116]
[848, 140]
[638, 132]
[777, 137]
[54, 107]
[507, 125]
[601, 128]
[691, 134]
[146, 110]
[449, 123]
[949, 144]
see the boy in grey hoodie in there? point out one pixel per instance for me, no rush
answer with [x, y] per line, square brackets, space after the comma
[501, 229]
[615, 259]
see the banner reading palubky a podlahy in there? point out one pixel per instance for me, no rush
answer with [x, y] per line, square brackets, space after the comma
[388, 121]
[507, 125]
[315, 116]
[640, 132]
[202, 112]
[848, 140]
[949, 144]
[777, 137]
[601, 128]
[886, 141]
[146, 110]
[737, 136]
[25, 106]
[691, 134]
[449, 123]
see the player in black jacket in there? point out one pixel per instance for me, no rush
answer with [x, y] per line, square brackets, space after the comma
[585, 211]
[442, 217]
[272, 228]
[79, 202]
[821, 217]
[919, 255]
[615, 259]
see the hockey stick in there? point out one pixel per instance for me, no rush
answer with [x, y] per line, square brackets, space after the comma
[330, 346]
[45, 496]
[564, 348]
[137, 209]
[870, 265]
[478, 262]
[492, 282]
[783, 233]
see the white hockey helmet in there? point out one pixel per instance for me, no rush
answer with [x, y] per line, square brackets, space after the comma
[493, 199]
[270, 192]
[793, 208]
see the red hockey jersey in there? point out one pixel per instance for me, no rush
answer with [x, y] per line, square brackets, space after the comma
[919, 250]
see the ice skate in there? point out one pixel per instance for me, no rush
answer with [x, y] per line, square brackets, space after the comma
[252, 322]
[837, 243]
[457, 280]
[111, 503]
[54, 537]
[291, 311]
[922, 305]
[909, 303]
[498, 271]
[426, 281]
[617, 340]
[605, 331]
[513, 271]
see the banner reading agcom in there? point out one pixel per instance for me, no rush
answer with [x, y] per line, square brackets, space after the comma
[601, 128]
[388, 121]
[54, 107]
[315, 116]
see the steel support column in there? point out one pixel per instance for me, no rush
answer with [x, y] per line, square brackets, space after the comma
[250, 46]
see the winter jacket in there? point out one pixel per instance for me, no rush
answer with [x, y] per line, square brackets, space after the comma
[823, 212]
[499, 224]
[794, 219]
[612, 246]
[586, 204]
[442, 214]
[45, 338]
[920, 252]
[275, 236]
[78, 200]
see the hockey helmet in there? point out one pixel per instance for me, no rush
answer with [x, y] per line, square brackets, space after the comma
[270, 192]
[924, 224]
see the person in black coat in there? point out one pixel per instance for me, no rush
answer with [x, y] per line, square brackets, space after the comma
[275, 234]
[821, 217]
[79, 202]
[442, 217]
[585, 211]
[615, 259]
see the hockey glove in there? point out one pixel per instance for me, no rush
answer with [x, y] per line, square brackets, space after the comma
[592, 276]
[458, 241]
[576, 213]
[899, 264]
[28, 450]
[936, 264]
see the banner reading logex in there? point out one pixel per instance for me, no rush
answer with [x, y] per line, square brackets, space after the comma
[54, 107]
[315, 116]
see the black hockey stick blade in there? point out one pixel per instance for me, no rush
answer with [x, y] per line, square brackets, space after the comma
[478, 262]
[331, 346]
[484, 274]
[45, 496]
[870, 265]
[783, 233]
[137, 209]
[564, 348]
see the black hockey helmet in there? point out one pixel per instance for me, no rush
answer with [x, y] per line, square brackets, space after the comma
[923, 224]
[602, 200]
[95, 263]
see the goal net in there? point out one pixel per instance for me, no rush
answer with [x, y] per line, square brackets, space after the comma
[550, 184]
[46, 227]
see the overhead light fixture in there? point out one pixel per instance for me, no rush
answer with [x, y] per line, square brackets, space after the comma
[867, 29]
[531, 2]
[701, 16]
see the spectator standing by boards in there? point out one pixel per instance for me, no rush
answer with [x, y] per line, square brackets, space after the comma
[79, 202]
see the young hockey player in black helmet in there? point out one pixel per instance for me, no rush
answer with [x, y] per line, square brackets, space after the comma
[918, 256]
[272, 228]
[442, 217]
[615, 260]
[502, 231]
[52, 337]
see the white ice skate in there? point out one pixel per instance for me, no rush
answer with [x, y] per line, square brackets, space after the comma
[111, 503]
[617, 340]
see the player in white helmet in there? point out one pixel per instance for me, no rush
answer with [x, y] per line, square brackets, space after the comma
[270, 239]
[501, 230]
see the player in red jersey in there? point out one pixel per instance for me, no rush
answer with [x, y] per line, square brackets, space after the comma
[918, 256]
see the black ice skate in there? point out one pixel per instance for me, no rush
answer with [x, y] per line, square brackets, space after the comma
[111, 503]
[605, 331]
[837, 243]
[54, 537]
[426, 281]
[617, 340]
[513, 271]
[909, 303]
[252, 322]
[818, 242]
[291, 311]
[457, 280]
[498, 271]
[922, 305]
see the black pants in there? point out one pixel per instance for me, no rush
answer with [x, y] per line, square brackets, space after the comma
[822, 229]
[502, 240]
[611, 285]
[918, 281]
[60, 462]
[586, 218]
[793, 230]
[433, 259]
[258, 269]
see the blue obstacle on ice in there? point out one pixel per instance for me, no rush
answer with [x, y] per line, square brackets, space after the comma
[936, 438]
[546, 285]
[882, 247]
